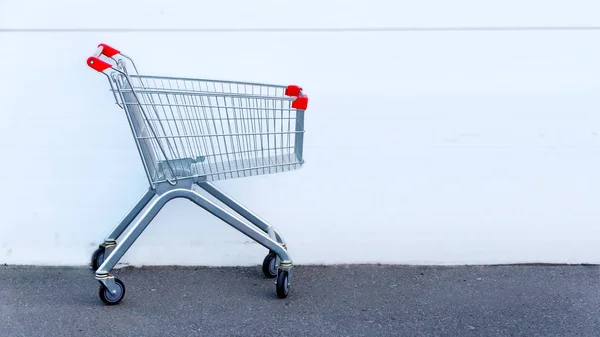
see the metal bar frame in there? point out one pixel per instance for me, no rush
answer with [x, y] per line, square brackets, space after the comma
[130, 216]
[299, 134]
[186, 101]
[264, 234]
[243, 211]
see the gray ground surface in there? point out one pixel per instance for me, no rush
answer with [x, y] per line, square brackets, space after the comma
[325, 301]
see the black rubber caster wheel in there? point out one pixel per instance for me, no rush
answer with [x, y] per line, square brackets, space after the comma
[109, 298]
[283, 283]
[269, 266]
[98, 258]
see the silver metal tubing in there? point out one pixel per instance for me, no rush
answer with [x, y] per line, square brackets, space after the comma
[236, 206]
[209, 80]
[140, 225]
[243, 211]
[207, 93]
[133, 213]
[278, 237]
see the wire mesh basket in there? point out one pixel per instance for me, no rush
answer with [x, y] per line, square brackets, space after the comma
[208, 129]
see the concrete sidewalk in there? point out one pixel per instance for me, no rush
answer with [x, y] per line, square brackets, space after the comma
[324, 301]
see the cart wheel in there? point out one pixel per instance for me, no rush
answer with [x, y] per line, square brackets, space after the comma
[269, 265]
[283, 284]
[97, 258]
[109, 298]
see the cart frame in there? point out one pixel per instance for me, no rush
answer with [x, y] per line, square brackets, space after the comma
[277, 264]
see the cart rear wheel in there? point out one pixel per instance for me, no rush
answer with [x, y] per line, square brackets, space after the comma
[98, 258]
[269, 265]
[109, 298]
[283, 283]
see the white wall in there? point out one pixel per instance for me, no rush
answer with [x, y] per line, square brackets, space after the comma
[421, 147]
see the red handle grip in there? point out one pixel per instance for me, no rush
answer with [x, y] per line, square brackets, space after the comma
[293, 90]
[97, 64]
[301, 101]
[108, 51]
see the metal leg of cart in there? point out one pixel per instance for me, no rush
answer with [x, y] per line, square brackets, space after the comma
[110, 242]
[112, 290]
[243, 211]
[272, 261]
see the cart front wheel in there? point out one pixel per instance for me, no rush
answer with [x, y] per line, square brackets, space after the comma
[109, 298]
[269, 265]
[283, 283]
[98, 258]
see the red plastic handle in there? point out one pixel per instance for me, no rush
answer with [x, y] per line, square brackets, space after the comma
[97, 64]
[301, 101]
[108, 51]
[293, 90]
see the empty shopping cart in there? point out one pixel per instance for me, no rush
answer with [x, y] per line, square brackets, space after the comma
[191, 132]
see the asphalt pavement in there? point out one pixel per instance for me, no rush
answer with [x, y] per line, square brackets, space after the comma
[356, 300]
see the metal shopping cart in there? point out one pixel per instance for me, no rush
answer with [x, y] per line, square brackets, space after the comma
[190, 132]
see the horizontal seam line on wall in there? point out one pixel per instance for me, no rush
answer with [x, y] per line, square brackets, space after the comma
[307, 30]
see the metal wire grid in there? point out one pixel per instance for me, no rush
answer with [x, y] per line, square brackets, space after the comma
[216, 130]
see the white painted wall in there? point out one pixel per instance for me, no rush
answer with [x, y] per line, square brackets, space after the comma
[421, 148]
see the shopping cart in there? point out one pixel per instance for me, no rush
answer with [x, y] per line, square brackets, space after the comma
[190, 132]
